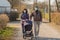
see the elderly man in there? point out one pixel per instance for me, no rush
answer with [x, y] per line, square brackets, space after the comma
[37, 16]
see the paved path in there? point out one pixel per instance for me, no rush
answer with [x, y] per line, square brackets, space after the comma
[46, 32]
[17, 32]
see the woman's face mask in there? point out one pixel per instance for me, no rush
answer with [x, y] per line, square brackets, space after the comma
[24, 11]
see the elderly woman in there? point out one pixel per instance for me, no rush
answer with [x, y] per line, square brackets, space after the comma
[24, 17]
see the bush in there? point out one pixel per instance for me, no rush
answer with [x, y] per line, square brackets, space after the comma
[56, 18]
[3, 20]
[13, 16]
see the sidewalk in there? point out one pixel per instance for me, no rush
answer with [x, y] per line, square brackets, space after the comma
[47, 32]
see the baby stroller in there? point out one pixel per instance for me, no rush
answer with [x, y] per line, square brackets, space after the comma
[28, 29]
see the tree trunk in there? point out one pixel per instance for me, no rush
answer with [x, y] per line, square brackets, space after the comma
[57, 5]
[49, 12]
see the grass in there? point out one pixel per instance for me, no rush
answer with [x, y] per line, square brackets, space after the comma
[7, 32]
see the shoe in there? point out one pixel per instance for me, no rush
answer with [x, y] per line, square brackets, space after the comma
[36, 36]
[24, 37]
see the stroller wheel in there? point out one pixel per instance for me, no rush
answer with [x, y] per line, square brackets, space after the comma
[32, 38]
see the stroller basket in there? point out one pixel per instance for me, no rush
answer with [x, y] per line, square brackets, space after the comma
[28, 27]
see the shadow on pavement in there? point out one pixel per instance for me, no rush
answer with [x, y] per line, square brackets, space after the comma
[14, 22]
[42, 38]
[45, 22]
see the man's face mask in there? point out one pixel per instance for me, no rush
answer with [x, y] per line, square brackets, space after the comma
[36, 8]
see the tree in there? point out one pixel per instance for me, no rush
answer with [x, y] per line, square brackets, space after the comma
[14, 2]
[35, 3]
[49, 12]
[57, 5]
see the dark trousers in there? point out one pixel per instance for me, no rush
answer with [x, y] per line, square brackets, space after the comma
[23, 28]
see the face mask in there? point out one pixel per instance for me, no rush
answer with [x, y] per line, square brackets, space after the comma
[36, 9]
[24, 11]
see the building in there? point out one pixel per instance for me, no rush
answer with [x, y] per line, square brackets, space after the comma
[4, 6]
